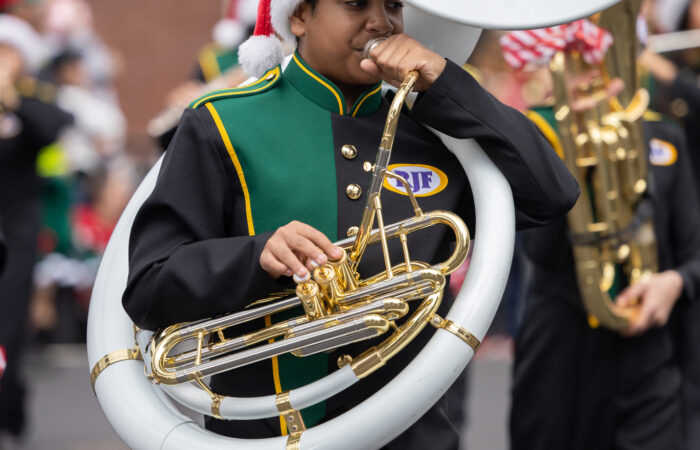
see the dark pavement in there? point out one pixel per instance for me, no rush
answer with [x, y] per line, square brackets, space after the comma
[64, 413]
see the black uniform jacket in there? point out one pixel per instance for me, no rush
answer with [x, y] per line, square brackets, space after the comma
[3, 249]
[239, 167]
[676, 223]
[580, 388]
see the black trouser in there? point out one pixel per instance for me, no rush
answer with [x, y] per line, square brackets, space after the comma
[685, 331]
[15, 289]
[582, 388]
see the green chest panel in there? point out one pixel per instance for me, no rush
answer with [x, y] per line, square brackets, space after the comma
[289, 175]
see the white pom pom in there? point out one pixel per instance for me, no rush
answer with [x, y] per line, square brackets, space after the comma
[228, 33]
[259, 54]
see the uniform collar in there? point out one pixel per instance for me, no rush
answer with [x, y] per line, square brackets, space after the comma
[325, 94]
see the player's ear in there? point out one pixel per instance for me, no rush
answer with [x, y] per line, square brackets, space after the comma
[300, 19]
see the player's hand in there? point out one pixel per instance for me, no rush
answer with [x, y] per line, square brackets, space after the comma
[393, 58]
[655, 296]
[293, 247]
[581, 102]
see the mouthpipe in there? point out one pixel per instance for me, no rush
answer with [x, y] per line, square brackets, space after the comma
[370, 45]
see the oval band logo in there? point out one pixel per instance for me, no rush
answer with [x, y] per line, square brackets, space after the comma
[424, 180]
[662, 153]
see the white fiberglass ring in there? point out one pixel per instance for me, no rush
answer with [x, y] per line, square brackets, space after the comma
[144, 417]
[511, 14]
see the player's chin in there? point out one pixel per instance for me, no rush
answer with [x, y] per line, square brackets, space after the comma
[362, 77]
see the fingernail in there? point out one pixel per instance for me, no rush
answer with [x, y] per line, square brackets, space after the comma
[302, 272]
[322, 259]
[288, 273]
[314, 263]
[338, 252]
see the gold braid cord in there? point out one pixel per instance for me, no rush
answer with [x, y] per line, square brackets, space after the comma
[463, 334]
[113, 358]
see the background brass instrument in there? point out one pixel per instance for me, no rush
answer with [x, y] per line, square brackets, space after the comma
[611, 225]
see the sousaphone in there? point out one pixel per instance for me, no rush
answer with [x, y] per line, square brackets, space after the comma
[144, 415]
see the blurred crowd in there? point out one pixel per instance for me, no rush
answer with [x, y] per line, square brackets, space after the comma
[66, 172]
[64, 177]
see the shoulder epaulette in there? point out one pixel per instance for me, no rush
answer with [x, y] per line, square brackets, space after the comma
[263, 84]
[207, 62]
[652, 116]
[543, 118]
[474, 72]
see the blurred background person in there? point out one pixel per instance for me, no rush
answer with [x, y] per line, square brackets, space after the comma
[674, 83]
[596, 387]
[28, 122]
[216, 67]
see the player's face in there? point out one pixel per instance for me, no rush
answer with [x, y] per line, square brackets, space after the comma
[333, 35]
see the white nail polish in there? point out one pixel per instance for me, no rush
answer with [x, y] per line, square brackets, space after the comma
[298, 279]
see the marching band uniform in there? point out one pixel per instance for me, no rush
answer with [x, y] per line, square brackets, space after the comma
[247, 161]
[578, 387]
[25, 127]
[681, 100]
[38, 124]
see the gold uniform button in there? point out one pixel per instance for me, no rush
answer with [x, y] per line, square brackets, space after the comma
[349, 151]
[354, 191]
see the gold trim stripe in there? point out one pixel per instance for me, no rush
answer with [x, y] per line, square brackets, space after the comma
[220, 93]
[328, 86]
[237, 165]
[113, 358]
[209, 64]
[368, 95]
[462, 333]
[547, 130]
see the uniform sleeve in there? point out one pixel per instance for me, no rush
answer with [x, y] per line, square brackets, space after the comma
[457, 105]
[685, 217]
[186, 263]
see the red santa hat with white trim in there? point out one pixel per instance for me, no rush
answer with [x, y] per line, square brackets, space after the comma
[263, 50]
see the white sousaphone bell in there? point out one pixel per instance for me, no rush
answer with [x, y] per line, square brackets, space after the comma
[144, 415]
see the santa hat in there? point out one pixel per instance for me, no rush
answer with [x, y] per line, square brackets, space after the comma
[263, 50]
[7, 3]
[17, 33]
[523, 48]
[239, 15]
